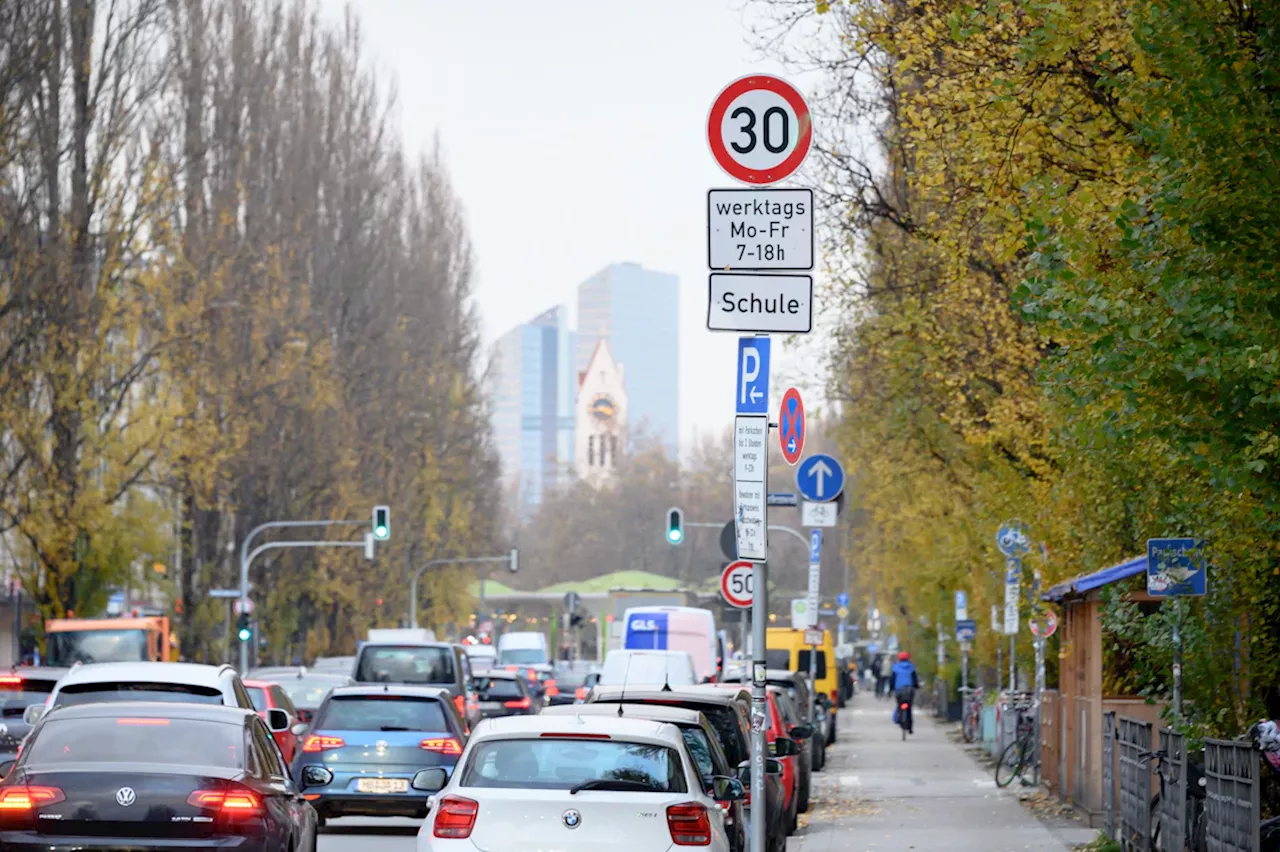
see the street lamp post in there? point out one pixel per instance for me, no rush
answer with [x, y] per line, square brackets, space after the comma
[512, 558]
[246, 557]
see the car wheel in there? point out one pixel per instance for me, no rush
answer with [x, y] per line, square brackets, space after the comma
[833, 729]
[793, 816]
[803, 805]
[321, 819]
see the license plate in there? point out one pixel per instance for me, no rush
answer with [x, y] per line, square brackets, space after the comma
[382, 785]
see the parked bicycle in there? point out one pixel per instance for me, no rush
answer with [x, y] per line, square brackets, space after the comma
[1020, 758]
[1194, 835]
[1266, 738]
[971, 721]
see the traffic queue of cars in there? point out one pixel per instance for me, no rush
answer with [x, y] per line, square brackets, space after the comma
[641, 748]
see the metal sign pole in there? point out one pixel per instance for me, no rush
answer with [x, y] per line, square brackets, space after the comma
[759, 748]
[1177, 658]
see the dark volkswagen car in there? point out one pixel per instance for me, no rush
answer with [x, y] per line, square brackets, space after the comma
[125, 775]
[505, 694]
[369, 745]
[19, 689]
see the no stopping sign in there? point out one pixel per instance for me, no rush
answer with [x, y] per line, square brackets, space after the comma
[759, 129]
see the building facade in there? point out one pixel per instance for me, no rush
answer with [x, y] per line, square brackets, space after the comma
[636, 311]
[600, 421]
[535, 387]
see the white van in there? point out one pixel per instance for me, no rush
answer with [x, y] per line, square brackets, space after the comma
[677, 628]
[648, 668]
[523, 649]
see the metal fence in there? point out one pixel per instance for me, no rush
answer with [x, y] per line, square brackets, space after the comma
[1231, 771]
[1173, 796]
[1134, 738]
[1109, 773]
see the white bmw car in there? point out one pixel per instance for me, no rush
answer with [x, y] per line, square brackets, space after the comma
[578, 784]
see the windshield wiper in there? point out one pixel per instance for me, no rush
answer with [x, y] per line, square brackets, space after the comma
[612, 784]
[392, 728]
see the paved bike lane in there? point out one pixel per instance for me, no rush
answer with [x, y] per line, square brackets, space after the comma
[880, 793]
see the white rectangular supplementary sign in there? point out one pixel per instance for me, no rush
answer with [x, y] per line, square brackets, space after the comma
[818, 514]
[760, 303]
[815, 584]
[750, 485]
[760, 229]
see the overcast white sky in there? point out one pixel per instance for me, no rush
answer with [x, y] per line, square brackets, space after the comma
[575, 134]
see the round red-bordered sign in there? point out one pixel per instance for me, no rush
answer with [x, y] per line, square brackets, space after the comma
[791, 426]
[743, 160]
[737, 584]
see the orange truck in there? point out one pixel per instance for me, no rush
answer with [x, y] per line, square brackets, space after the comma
[108, 640]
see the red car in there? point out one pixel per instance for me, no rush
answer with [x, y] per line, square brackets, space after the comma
[271, 696]
[790, 771]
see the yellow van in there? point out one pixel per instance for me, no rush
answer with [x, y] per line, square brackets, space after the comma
[785, 649]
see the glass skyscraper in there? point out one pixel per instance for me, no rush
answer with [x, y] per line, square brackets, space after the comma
[535, 385]
[637, 311]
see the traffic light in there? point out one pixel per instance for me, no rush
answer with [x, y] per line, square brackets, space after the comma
[243, 630]
[675, 526]
[382, 522]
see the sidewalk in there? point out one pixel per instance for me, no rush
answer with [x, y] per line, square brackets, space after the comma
[880, 793]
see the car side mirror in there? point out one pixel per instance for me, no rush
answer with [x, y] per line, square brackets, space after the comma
[314, 776]
[783, 747]
[430, 780]
[32, 713]
[277, 720]
[300, 729]
[726, 789]
[773, 767]
[801, 732]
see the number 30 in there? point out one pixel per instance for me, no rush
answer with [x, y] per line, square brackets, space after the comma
[749, 129]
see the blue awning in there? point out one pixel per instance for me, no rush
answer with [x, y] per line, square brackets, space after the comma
[1080, 585]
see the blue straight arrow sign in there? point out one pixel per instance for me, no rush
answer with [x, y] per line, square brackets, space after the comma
[752, 388]
[820, 478]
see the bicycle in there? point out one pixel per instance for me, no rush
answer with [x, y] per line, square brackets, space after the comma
[971, 723]
[905, 698]
[1019, 758]
[1194, 834]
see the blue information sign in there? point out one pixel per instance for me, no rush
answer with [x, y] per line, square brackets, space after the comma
[966, 630]
[842, 599]
[1176, 566]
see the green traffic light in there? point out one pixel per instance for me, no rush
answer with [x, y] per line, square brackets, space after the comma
[245, 633]
[674, 536]
[380, 532]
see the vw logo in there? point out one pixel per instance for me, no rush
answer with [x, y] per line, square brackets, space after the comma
[380, 747]
[572, 819]
[126, 797]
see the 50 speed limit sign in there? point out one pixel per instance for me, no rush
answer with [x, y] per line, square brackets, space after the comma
[759, 129]
[737, 584]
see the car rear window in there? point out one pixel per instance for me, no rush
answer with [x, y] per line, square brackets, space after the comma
[187, 742]
[778, 658]
[500, 688]
[562, 763]
[94, 693]
[802, 664]
[406, 664]
[382, 713]
[258, 696]
[309, 692]
[18, 693]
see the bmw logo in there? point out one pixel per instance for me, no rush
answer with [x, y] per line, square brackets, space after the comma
[572, 819]
[126, 797]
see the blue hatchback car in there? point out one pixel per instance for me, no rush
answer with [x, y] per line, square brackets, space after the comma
[368, 746]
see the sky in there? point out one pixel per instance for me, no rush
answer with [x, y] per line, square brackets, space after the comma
[575, 135]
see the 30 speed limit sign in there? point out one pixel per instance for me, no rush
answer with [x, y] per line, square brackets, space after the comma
[737, 584]
[759, 129]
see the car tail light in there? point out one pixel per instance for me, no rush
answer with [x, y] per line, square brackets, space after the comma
[455, 817]
[319, 742]
[442, 745]
[552, 736]
[835, 697]
[521, 704]
[234, 801]
[461, 704]
[690, 824]
[10, 679]
[143, 722]
[581, 694]
[552, 689]
[28, 797]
